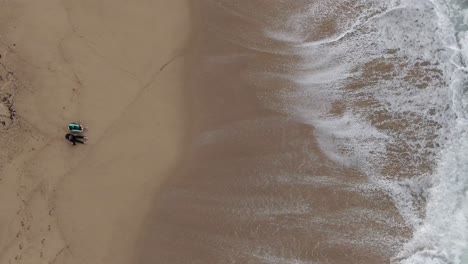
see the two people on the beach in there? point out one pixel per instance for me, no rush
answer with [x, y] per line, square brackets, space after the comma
[75, 134]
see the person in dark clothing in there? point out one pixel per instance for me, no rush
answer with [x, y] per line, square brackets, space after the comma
[73, 139]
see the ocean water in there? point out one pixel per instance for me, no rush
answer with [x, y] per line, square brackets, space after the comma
[323, 132]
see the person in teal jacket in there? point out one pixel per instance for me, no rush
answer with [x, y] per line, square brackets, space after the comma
[76, 128]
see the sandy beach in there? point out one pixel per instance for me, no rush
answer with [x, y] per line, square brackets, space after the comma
[220, 131]
[118, 67]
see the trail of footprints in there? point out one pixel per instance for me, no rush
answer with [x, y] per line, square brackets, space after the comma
[31, 243]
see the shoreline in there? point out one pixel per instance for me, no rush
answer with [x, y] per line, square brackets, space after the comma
[256, 186]
[123, 74]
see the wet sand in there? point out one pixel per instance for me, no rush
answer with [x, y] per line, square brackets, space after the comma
[117, 66]
[255, 186]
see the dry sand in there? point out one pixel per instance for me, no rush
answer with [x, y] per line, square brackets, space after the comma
[116, 65]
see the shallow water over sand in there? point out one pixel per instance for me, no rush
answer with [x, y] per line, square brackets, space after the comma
[319, 130]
